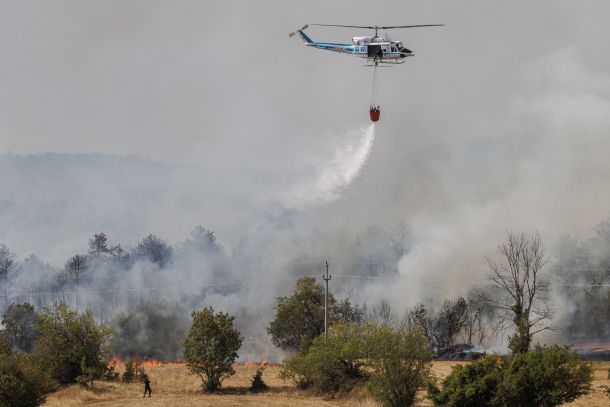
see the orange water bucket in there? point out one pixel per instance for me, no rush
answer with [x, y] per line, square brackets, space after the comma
[374, 112]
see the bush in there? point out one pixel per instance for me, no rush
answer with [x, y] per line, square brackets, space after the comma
[133, 371]
[545, 377]
[400, 365]
[66, 337]
[24, 381]
[210, 347]
[258, 385]
[110, 374]
[471, 385]
[331, 363]
[6, 345]
[20, 322]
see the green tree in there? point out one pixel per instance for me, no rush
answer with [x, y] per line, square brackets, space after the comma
[210, 347]
[332, 363]
[400, 363]
[472, 385]
[21, 325]
[299, 318]
[66, 337]
[24, 381]
[545, 377]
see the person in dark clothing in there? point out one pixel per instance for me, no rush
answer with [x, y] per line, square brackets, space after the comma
[147, 387]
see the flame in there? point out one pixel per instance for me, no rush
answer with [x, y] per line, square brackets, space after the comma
[119, 363]
[263, 363]
[151, 362]
[146, 362]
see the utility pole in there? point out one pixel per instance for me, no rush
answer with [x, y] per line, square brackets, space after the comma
[326, 278]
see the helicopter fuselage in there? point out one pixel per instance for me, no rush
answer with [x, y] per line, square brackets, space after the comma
[373, 49]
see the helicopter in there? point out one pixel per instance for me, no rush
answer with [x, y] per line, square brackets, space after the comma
[375, 49]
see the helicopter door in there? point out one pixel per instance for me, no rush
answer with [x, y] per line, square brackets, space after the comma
[374, 51]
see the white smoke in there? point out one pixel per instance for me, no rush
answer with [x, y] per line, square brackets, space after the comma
[333, 176]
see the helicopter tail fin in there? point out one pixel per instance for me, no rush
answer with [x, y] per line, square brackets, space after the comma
[303, 36]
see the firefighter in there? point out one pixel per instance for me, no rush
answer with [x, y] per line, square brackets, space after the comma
[147, 388]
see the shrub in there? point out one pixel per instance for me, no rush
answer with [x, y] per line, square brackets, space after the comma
[6, 345]
[66, 337]
[332, 363]
[133, 370]
[258, 385]
[471, 385]
[210, 347]
[110, 374]
[400, 365]
[545, 377]
[24, 381]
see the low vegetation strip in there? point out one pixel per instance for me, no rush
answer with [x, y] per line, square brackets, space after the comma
[173, 386]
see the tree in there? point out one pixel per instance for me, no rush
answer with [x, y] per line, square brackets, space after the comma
[21, 324]
[332, 363]
[448, 323]
[98, 245]
[203, 240]
[546, 377]
[24, 381]
[472, 385]
[66, 337]
[210, 347]
[299, 318]
[400, 365]
[8, 272]
[155, 250]
[382, 313]
[517, 283]
[418, 319]
[475, 331]
[343, 312]
[75, 266]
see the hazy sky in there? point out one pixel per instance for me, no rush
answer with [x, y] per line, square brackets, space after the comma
[500, 121]
[220, 82]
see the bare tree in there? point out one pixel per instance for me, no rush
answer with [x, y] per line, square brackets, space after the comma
[447, 323]
[518, 285]
[475, 331]
[383, 313]
[8, 272]
[75, 266]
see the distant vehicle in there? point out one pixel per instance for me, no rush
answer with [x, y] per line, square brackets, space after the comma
[375, 49]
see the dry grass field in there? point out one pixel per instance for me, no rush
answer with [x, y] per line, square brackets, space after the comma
[172, 386]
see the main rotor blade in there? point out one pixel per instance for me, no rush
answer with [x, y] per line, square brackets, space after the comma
[374, 27]
[347, 26]
[411, 26]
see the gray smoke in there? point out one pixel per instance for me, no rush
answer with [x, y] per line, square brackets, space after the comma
[500, 122]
